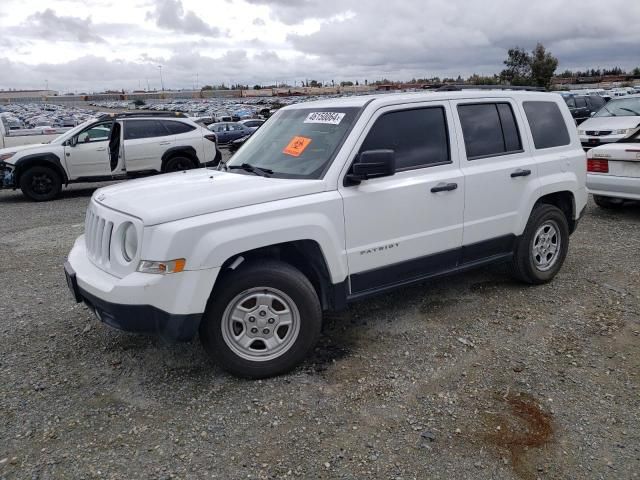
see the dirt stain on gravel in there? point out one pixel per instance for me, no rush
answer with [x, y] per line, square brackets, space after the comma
[429, 306]
[521, 427]
[486, 285]
[324, 356]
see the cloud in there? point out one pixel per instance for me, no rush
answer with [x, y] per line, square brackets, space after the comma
[293, 40]
[48, 24]
[170, 15]
[292, 12]
[433, 36]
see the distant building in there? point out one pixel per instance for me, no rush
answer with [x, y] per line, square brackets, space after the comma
[22, 94]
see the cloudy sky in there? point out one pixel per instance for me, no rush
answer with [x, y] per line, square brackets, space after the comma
[91, 45]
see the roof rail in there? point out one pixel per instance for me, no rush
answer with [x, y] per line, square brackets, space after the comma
[458, 88]
[143, 114]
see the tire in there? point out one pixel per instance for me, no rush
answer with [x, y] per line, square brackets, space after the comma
[179, 164]
[610, 203]
[40, 184]
[547, 226]
[262, 339]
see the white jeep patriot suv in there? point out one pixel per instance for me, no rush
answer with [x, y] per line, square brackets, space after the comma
[328, 203]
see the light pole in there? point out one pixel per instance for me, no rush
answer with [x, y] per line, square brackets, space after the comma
[161, 81]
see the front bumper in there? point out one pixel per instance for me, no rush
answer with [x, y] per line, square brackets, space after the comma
[7, 175]
[589, 142]
[170, 306]
[612, 186]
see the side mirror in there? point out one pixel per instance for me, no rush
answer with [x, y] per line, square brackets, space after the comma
[373, 164]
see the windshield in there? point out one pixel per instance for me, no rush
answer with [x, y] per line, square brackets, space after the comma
[297, 143]
[621, 107]
[66, 135]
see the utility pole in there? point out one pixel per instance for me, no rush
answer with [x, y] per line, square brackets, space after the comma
[161, 80]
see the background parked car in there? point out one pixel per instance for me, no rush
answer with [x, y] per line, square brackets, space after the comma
[615, 121]
[112, 146]
[229, 131]
[236, 144]
[582, 107]
[613, 172]
[252, 123]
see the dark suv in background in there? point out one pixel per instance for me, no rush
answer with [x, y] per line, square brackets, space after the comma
[583, 106]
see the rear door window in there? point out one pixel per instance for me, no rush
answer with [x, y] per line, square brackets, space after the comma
[419, 137]
[137, 129]
[489, 129]
[547, 124]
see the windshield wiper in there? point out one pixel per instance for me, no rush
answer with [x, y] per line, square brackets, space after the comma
[629, 110]
[263, 172]
[612, 114]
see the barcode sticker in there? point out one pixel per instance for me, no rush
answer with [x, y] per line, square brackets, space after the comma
[327, 118]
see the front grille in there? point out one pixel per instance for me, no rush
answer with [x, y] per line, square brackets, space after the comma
[97, 233]
[598, 133]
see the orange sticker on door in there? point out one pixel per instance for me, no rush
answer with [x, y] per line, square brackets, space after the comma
[297, 146]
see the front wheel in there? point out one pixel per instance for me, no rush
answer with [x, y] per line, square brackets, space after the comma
[543, 247]
[262, 321]
[40, 183]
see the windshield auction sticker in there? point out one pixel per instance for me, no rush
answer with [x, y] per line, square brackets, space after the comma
[328, 118]
[297, 146]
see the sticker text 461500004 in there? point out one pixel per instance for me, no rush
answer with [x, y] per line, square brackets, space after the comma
[328, 118]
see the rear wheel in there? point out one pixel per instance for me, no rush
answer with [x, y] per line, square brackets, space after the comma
[543, 247]
[40, 183]
[178, 164]
[262, 321]
[608, 202]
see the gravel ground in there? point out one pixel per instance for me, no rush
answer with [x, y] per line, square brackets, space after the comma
[474, 376]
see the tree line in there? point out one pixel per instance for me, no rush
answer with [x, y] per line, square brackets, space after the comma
[522, 68]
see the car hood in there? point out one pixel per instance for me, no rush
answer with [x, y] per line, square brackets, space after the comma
[175, 196]
[26, 149]
[610, 123]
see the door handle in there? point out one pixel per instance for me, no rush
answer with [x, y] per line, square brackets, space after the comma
[520, 173]
[444, 187]
[164, 143]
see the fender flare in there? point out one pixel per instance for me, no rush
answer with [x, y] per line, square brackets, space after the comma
[185, 150]
[47, 159]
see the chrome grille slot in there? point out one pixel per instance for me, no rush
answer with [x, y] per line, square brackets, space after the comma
[98, 233]
[106, 242]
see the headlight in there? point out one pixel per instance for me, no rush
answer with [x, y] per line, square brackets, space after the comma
[129, 242]
[623, 131]
[582, 132]
[162, 268]
[6, 156]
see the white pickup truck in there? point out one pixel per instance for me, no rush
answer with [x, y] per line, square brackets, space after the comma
[27, 136]
[328, 203]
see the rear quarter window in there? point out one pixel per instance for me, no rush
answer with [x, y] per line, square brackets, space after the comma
[547, 124]
[177, 128]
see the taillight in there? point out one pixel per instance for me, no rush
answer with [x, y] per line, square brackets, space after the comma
[211, 138]
[597, 165]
